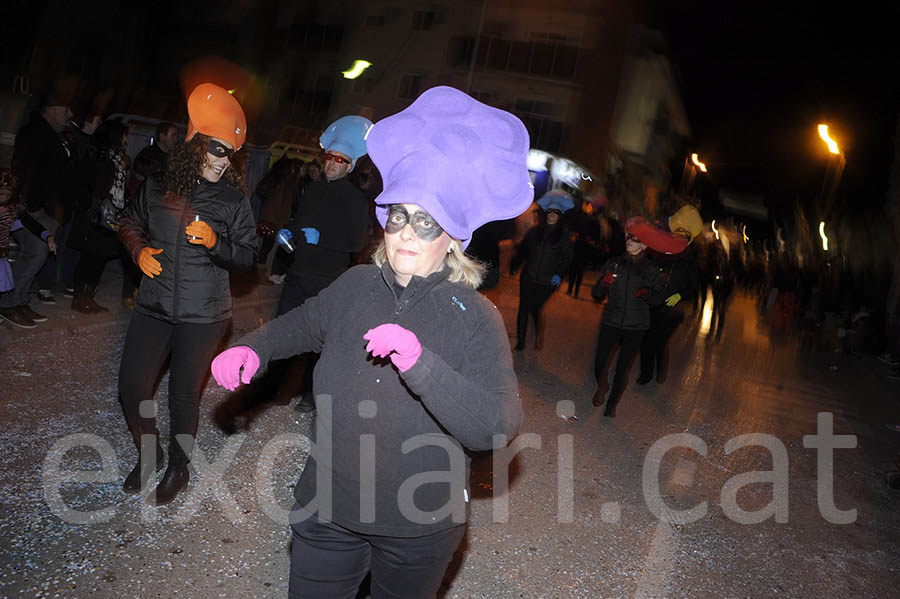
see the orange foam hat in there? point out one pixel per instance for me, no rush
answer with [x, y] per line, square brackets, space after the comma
[214, 112]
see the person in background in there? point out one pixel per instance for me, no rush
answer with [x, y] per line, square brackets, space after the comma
[153, 158]
[678, 274]
[630, 281]
[587, 241]
[331, 224]
[186, 229]
[96, 220]
[44, 162]
[414, 361]
[277, 193]
[546, 252]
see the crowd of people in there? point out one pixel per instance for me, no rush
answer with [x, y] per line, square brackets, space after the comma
[380, 325]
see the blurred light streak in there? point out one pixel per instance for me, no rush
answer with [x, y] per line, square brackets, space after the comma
[744, 233]
[832, 145]
[822, 235]
[357, 69]
[697, 162]
[706, 319]
[715, 230]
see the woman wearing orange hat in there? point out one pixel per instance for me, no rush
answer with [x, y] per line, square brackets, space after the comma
[186, 229]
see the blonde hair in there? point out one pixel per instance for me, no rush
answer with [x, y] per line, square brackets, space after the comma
[463, 268]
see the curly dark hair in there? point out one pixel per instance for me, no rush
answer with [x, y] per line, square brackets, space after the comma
[185, 163]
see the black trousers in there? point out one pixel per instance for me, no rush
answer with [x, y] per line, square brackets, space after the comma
[328, 560]
[663, 323]
[89, 270]
[532, 297]
[148, 343]
[606, 341]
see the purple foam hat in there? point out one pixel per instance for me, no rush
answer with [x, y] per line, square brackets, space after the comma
[461, 161]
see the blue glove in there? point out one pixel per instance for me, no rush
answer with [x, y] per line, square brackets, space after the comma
[312, 235]
[284, 237]
[555, 281]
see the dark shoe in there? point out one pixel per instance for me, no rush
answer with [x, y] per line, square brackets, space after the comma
[94, 306]
[79, 304]
[610, 411]
[140, 475]
[643, 380]
[600, 396]
[69, 292]
[45, 297]
[306, 404]
[29, 313]
[174, 481]
[15, 317]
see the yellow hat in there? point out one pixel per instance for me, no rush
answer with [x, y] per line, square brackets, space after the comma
[214, 112]
[686, 221]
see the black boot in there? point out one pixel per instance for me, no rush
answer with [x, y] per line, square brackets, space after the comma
[89, 300]
[79, 300]
[174, 481]
[142, 472]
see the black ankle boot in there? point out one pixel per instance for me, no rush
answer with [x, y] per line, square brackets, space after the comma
[141, 473]
[174, 481]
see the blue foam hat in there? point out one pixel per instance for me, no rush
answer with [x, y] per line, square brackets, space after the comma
[461, 161]
[347, 135]
[557, 200]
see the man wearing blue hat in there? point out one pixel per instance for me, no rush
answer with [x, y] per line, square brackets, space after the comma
[330, 226]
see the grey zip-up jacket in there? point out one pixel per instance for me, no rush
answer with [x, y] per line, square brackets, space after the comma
[395, 435]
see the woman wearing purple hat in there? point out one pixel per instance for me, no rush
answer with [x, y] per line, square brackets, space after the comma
[546, 250]
[415, 365]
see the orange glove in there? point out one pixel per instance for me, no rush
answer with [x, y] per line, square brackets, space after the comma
[200, 233]
[149, 265]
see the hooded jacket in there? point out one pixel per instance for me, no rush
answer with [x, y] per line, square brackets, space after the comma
[632, 277]
[390, 432]
[193, 286]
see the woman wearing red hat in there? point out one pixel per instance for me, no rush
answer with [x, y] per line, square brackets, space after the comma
[186, 229]
[631, 283]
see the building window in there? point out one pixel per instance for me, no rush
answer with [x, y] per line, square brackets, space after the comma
[410, 84]
[545, 132]
[423, 20]
[541, 58]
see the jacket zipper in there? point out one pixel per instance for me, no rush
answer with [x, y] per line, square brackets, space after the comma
[177, 262]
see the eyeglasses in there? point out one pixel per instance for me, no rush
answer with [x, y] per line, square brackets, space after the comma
[423, 225]
[218, 149]
[336, 158]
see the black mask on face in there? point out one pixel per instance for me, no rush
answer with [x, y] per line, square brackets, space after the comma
[423, 225]
[218, 149]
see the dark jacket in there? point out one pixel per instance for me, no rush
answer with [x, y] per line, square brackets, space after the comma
[546, 251]
[193, 286]
[340, 212]
[677, 274]
[96, 173]
[632, 277]
[44, 162]
[461, 390]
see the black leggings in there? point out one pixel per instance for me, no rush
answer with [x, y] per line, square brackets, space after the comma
[532, 297]
[606, 341]
[147, 344]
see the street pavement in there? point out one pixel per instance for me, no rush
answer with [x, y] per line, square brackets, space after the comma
[658, 502]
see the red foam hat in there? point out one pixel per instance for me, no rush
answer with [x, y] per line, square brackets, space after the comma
[214, 112]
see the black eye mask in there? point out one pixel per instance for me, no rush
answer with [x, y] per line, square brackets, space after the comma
[219, 150]
[423, 225]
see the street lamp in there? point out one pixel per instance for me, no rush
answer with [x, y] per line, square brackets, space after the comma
[833, 170]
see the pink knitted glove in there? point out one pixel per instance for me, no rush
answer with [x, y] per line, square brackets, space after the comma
[226, 367]
[392, 339]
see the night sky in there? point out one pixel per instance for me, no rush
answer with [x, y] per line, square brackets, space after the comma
[757, 77]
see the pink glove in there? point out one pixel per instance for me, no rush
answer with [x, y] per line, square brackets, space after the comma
[391, 339]
[226, 367]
